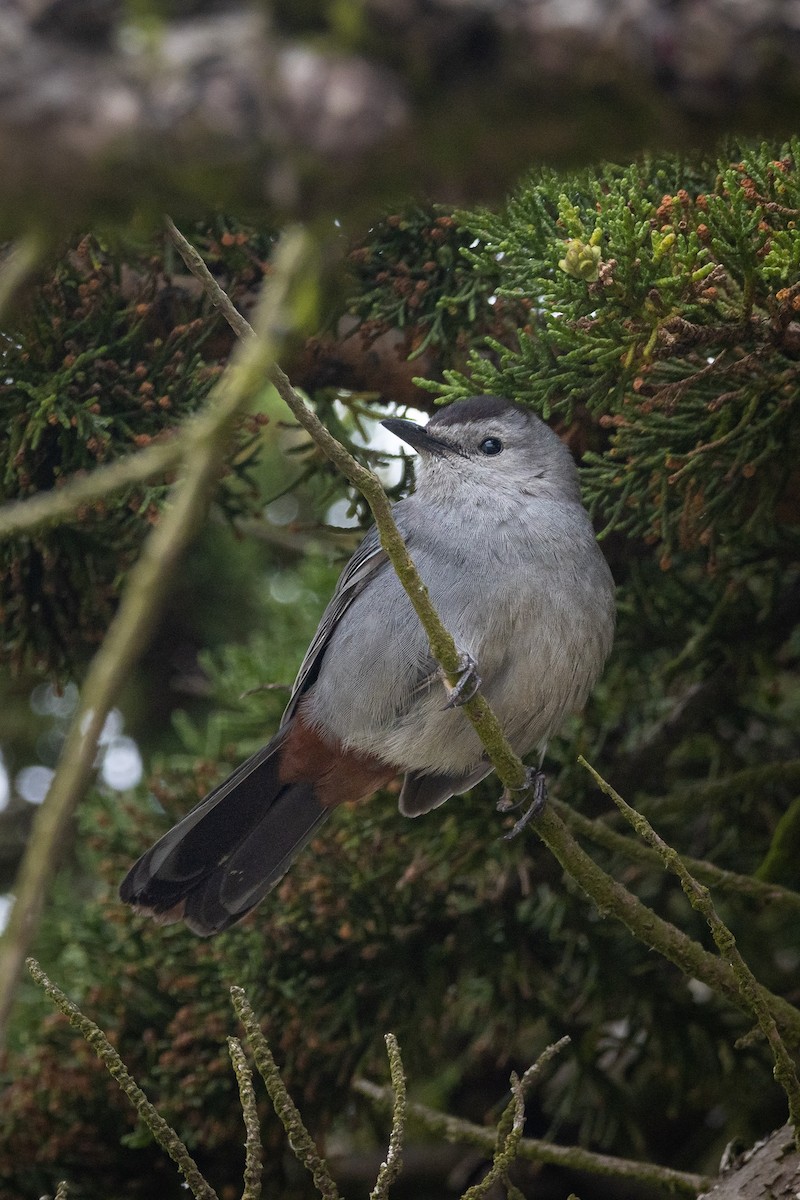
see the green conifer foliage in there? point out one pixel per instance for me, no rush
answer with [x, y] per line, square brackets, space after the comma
[664, 309]
[109, 354]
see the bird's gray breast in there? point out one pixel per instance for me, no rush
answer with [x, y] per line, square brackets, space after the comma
[526, 593]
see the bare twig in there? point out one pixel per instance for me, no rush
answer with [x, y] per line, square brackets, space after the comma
[163, 1133]
[601, 833]
[390, 1169]
[253, 1152]
[689, 956]
[300, 1139]
[23, 516]
[460, 1132]
[204, 441]
[699, 898]
[219, 298]
[509, 1136]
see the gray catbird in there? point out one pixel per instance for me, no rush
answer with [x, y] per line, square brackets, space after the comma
[498, 533]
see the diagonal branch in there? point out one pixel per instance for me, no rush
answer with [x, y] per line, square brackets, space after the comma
[600, 833]
[699, 898]
[609, 895]
[163, 1134]
[204, 442]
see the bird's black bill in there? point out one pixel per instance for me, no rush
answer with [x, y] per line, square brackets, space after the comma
[417, 436]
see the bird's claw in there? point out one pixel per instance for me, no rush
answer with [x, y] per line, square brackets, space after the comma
[468, 682]
[535, 786]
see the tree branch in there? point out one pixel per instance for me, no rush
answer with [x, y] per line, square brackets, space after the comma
[391, 1167]
[204, 441]
[698, 897]
[162, 1133]
[454, 1129]
[253, 1151]
[57, 504]
[599, 832]
[300, 1139]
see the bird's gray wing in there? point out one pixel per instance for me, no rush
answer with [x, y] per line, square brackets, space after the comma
[368, 560]
[422, 792]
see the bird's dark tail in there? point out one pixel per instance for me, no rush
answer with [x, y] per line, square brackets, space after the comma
[225, 855]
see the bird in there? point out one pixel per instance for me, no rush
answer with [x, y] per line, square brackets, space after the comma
[499, 535]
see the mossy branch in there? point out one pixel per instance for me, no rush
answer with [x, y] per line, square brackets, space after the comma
[300, 1139]
[391, 1167]
[508, 1138]
[505, 1143]
[46, 508]
[600, 832]
[204, 441]
[613, 899]
[698, 896]
[609, 896]
[461, 1132]
[253, 1150]
[163, 1133]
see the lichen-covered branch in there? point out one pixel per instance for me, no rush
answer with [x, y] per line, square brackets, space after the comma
[600, 833]
[253, 1150]
[508, 1138]
[163, 1133]
[204, 443]
[391, 1167]
[699, 898]
[613, 899]
[300, 1139]
[461, 1132]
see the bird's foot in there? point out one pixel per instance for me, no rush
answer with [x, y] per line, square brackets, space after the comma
[468, 682]
[535, 787]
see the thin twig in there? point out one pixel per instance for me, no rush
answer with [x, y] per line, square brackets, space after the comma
[253, 1151]
[220, 299]
[24, 516]
[601, 833]
[512, 1121]
[507, 1144]
[612, 898]
[300, 1140]
[390, 1169]
[460, 1132]
[545, 1058]
[699, 898]
[163, 1133]
[205, 439]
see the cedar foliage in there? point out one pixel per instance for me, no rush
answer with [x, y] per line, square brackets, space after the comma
[651, 313]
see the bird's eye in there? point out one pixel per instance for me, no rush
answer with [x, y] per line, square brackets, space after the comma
[491, 446]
